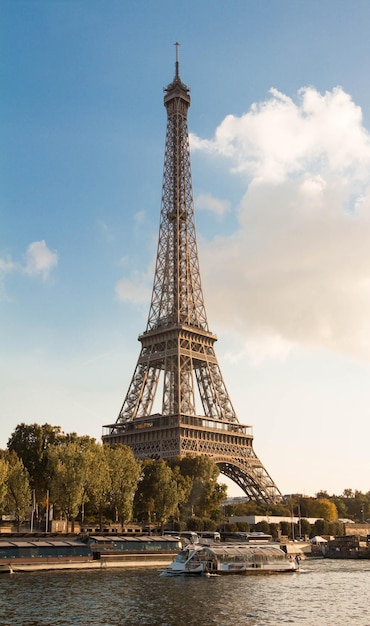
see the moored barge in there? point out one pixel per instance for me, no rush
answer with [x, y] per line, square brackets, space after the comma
[347, 547]
[96, 552]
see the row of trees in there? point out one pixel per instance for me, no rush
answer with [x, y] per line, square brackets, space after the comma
[351, 505]
[287, 529]
[90, 481]
[76, 473]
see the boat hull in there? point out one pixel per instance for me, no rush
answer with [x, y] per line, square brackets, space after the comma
[124, 562]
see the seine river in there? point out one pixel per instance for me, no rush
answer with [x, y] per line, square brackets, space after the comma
[324, 592]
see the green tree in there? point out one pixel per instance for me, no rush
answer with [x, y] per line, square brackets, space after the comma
[336, 529]
[359, 506]
[67, 464]
[183, 491]
[341, 506]
[282, 510]
[206, 493]
[286, 529]
[31, 443]
[353, 504]
[305, 527]
[274, 530]
[18, 496]
[322, 495]
[262, 527]
[348, 493]
[4, 470]
[321, 527]
[156, 497]
[242, 509]
[303, 504]
[209, 524]
[97, 484]
[195, 523]
[125, 472]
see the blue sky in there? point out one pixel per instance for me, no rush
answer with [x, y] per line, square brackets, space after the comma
[279, 125]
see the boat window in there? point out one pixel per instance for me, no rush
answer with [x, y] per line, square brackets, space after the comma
[182, 556]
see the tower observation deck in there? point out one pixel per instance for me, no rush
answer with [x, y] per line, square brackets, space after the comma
[177, 357]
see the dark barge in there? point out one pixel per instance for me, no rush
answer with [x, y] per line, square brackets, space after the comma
[29, 554]
[347, 547]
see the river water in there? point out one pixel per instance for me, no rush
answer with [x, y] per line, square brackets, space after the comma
[325, 592]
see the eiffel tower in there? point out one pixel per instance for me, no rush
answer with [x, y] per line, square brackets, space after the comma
[177, 357]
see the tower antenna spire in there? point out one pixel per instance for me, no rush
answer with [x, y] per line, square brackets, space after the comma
[177, 58]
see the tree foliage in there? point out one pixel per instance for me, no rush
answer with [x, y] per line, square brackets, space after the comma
[18, 494]
[323, 508]
[83, 475]
[195, 523]
[206, 494]
[97, 488]
[124, 476]
[68, 467]
[31, 443]
[156, 497]
[4, 471]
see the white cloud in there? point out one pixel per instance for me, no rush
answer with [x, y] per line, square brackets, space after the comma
[133, 289]
[6, 266]
[40, 260]
[278, 138]
[207, 202]
[297, 272]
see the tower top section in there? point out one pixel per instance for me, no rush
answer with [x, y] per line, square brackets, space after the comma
[177, 89]
[177, 297]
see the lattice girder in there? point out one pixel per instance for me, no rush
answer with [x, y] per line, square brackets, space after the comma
[184, 358]
[177, 292]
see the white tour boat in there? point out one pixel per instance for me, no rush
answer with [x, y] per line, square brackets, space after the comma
[231, 558]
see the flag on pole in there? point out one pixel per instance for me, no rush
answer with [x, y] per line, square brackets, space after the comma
[47, 512]
[33, 508]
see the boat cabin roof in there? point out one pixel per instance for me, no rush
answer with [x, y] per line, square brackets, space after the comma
[244, 551]
[103, 539]
[42, 543]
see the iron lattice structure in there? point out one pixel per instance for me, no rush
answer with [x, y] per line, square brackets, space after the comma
[177, 355]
